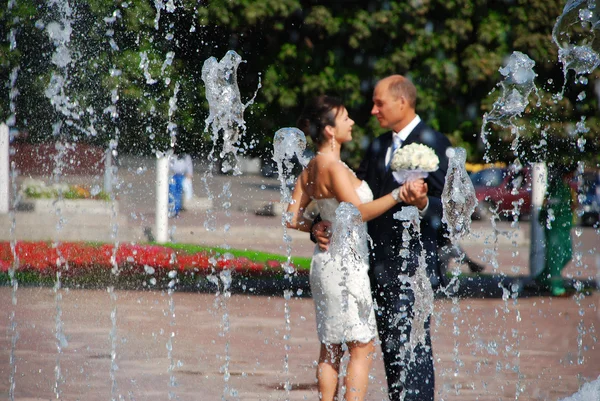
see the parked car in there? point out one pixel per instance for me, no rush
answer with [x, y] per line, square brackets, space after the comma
[488, 177]
[503, 189]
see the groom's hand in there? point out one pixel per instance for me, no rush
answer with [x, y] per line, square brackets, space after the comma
[414, 193]
[322, 232]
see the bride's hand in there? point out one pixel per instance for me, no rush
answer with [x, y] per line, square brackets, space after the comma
[414, 193]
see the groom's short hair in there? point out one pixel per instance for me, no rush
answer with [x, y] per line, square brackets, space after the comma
[400, 86]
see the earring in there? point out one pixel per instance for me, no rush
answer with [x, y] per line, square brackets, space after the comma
[332, 143]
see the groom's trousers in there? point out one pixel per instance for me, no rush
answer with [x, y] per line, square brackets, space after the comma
[411, 374]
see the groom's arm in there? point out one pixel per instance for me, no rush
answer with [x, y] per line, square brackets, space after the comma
[434, 193]
[320, 233]
[437, 180]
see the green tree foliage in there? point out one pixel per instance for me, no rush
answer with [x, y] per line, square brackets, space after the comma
[122, 79]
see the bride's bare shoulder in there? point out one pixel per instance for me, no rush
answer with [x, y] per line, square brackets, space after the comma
[317, 171]
[323, 162]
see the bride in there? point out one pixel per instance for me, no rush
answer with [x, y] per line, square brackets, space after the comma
[328, 181]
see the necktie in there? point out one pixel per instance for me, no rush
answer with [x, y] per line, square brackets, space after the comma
[396, 143]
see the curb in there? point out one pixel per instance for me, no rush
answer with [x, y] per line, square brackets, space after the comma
[475, 286]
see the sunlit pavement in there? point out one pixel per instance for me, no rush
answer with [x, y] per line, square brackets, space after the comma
[485, 349]
[529, 348]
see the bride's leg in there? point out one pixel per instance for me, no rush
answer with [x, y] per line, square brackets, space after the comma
[357, 378]
[327, 371]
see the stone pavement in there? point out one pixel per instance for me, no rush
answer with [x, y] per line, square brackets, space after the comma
[530, 349]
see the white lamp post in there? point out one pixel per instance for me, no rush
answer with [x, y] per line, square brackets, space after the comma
[162, 198]
[4, 169]
[539, 176]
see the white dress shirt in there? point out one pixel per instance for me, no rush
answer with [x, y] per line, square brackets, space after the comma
[402, 135]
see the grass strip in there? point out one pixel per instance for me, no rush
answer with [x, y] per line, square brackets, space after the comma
[301, 263]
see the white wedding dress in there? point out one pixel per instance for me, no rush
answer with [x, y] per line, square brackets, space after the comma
[340, 288]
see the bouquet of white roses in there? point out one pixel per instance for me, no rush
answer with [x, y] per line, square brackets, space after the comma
[413, 161]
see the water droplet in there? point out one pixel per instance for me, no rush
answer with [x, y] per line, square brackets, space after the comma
[585, 14]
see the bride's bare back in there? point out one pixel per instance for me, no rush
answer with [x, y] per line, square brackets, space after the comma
[328, 177]
[323, 172]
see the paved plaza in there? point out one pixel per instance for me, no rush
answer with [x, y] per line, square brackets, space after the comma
[485, 349]
[183, 346]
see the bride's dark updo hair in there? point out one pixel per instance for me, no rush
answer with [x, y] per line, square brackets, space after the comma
[318, 113]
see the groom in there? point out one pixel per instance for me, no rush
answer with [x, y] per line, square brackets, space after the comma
[394, 101]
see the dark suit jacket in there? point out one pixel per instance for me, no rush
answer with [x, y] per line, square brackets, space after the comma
[385, 231]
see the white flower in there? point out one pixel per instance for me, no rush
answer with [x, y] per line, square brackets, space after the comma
[415, 156]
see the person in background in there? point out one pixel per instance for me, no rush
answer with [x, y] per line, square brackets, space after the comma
[181, 168]
[557, 218]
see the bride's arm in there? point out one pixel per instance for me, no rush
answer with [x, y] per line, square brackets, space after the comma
[343, 189]
[300, 201]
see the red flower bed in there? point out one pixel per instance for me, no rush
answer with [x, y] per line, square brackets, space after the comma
[74, 259]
